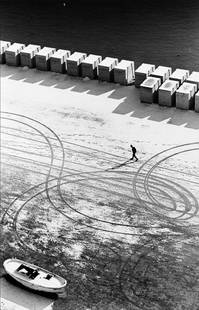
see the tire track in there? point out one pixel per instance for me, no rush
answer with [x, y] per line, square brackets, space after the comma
[86, 176]
[49, 145]
[190, 201]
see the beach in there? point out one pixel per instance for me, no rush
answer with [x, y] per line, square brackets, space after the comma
[123, 233]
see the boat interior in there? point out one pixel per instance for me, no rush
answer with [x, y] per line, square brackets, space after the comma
[31, 272]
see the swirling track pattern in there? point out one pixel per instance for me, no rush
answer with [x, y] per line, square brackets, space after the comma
[178, 202]
[76, 185]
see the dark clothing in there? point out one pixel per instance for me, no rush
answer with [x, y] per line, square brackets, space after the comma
[134, 151]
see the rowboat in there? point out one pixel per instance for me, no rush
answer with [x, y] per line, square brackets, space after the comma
[34, 277]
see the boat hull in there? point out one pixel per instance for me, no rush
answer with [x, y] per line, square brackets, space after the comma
[31, 284]
[37, 287]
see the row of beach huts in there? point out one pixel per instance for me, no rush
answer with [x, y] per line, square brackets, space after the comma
[157, 85]
[63, 61]
[160, 85]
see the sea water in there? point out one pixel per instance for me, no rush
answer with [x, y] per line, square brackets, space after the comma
[157, 32]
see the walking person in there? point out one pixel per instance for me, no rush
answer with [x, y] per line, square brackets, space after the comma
[133, 152]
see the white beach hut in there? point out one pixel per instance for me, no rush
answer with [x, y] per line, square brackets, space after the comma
[142, 72]
[105, 69]
[194, 78]
[166, 93]
[27, 55]
[3, 47]
[179, 75]
[185, 96]
[58, 61]
[162, 72]
[197, 102]
[73, 63]
[89, 66]
[43, 58]
[12, 54]
[124, 72]
[149, 89]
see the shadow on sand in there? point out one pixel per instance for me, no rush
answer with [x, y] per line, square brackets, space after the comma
[129, 95]
[15, 296]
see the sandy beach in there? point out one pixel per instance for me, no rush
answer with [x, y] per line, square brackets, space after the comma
[123, 233]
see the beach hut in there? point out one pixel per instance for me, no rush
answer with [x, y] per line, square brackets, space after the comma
[58, 61]
[89, 66]
[43, 58]
[105, 69]
[194, 79]
[179, 75]
[185, 96]
[166, 93]
[142, 72]
[124, 72]
[149, 89]
[27, 55]
[162, 72]
[12, 54]
[3, 47]
[197, 102]
[73, 63]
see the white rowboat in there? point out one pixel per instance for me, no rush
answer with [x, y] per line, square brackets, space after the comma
[34, 277]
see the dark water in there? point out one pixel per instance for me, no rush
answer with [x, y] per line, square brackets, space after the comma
[159, 32]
